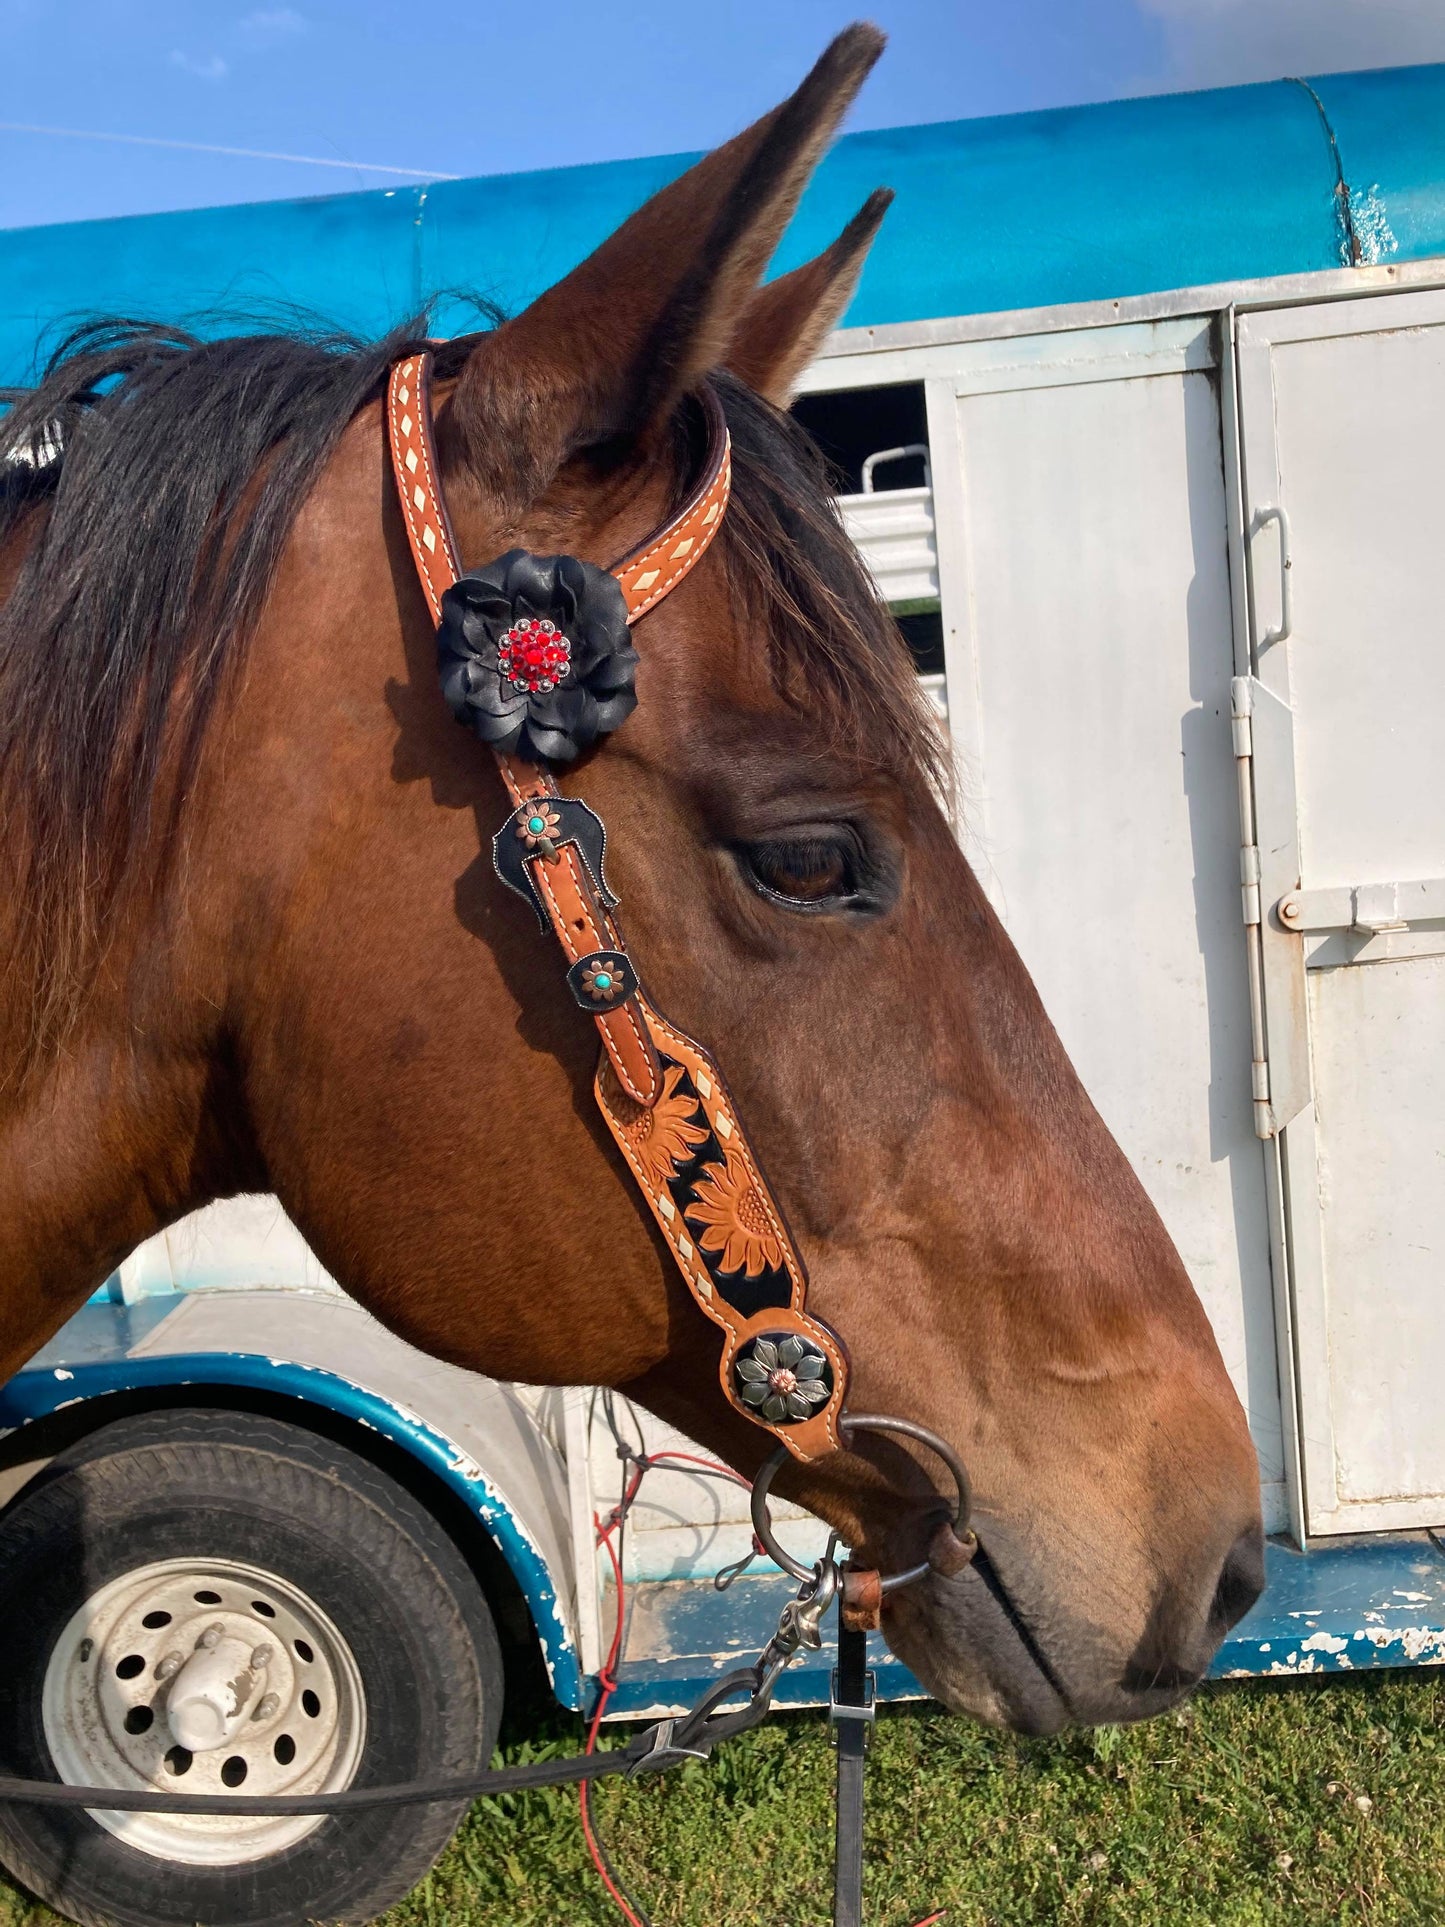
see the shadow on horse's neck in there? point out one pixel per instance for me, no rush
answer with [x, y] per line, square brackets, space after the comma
[106, 1144]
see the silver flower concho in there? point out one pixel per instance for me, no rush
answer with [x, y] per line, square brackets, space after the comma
[782, 1377]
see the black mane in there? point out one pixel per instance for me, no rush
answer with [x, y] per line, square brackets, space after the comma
[168, 470]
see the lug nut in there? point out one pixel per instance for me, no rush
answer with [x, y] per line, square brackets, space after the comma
[210, 1638]
[262, 1656]
[270, 1703]
[169, 1666]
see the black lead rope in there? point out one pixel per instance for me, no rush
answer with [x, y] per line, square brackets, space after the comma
[416, 1793]
[666, 1744]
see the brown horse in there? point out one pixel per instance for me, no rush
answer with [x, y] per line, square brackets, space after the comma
[254, 942]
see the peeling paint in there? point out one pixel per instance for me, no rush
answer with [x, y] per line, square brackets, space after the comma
[30, 1395]
[1374, 237]
[1418, 1645]
[1323, 1642]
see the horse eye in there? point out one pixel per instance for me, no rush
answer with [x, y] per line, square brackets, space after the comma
[804, 873]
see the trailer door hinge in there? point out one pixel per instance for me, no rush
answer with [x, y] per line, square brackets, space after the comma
[1241, 714]
[1249, 881]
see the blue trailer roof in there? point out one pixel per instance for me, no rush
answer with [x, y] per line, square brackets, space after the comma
[1019, 211]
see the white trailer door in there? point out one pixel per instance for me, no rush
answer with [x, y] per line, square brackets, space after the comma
[1342, 412]
[1083, 562]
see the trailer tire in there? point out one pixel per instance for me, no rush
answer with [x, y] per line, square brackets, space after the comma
[163, 1508]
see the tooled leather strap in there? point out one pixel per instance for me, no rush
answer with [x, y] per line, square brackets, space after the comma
[662, 1094]
[646, 573]
[580, 922]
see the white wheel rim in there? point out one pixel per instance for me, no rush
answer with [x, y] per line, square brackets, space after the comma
[106, 1687]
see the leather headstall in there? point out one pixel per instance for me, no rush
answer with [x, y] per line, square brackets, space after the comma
[535, 657]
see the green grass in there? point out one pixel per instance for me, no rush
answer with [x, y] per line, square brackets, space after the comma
[1317, 1800]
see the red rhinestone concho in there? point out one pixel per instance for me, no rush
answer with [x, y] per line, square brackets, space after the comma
[534, 655]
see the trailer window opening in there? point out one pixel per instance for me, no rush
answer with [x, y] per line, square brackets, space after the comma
[876, 442]
[851, 424]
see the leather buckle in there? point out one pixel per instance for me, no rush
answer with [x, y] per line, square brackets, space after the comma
[534, 833]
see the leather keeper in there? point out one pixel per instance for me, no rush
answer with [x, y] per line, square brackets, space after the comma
[583, 928]
[862, 1602]
[947, 1553]
[602, 980]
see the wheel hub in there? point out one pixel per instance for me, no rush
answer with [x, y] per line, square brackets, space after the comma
[211, 1693]
[209, 1676]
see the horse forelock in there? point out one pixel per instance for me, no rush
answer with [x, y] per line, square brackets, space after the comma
[834, 652]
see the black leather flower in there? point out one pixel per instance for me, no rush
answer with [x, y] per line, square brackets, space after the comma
[535, 656]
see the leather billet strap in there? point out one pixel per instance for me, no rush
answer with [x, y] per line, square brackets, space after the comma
[662, 1094]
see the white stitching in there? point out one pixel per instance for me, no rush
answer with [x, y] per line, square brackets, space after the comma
[559, 922]
[416, 529]
[722, 489]
[569, 944]
[671, 582]
[686, 1046]
[712, 1308]
[423, 435]
[429, 589]
[656, 1023]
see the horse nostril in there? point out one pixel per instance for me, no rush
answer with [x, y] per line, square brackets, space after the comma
[1241, 1580]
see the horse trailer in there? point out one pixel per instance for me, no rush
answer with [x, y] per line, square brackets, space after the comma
[1137, 417]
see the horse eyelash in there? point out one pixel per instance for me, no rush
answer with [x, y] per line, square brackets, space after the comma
[862, 889]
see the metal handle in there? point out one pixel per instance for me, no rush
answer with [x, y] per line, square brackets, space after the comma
[897, 455]
[1262, 519]
[863, 1422]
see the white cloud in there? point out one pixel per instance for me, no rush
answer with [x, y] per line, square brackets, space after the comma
[1215, 43]
[269, 26]
[208, 67]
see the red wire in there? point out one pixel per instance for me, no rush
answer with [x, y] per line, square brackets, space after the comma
[607, 1678]
[710, 1465]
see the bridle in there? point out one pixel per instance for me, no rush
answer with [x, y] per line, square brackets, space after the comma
[663, 1096]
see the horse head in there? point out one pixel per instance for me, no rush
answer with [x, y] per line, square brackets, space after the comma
[345, 1005]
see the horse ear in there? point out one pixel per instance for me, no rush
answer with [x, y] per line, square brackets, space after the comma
[604, 356]
[786, 323]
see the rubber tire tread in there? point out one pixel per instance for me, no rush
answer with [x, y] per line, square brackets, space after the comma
[256, 1489]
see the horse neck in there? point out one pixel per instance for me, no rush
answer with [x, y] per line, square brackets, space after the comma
[127, 1124]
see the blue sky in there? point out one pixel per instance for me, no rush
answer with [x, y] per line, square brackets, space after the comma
[455, 87]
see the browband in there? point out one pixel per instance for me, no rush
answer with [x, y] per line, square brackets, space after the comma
[662, 1094]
